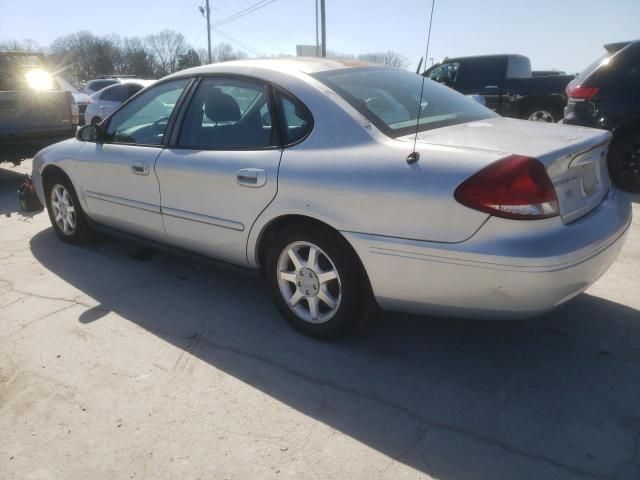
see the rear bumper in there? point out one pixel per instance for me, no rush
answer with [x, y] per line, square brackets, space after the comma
[499, 273]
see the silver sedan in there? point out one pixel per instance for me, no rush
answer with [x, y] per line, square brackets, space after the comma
[347, 191]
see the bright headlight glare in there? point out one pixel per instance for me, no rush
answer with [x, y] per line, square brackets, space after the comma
[39, 79]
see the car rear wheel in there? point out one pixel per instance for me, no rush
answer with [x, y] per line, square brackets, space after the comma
[624, 161]
[66, 215]
[317, 282]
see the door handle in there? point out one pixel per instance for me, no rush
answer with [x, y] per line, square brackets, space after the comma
[251, 177]
[491, 86]
[140, 168]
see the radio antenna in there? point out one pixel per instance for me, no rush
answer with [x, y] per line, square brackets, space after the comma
[414, 156]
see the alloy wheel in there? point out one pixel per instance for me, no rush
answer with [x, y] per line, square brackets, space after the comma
[64, 212]
[309, 282]
[542, 116]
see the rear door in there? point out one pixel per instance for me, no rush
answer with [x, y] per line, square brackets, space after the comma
[222, 169]
[483, 76]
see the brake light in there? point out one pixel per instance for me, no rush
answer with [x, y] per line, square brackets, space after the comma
[580, 92]
[514, 187]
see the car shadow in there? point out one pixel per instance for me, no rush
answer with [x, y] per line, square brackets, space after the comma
[10, 181]
[554, 397]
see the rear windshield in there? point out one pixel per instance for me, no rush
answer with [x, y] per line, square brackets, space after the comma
[602, 60]
[389, 98]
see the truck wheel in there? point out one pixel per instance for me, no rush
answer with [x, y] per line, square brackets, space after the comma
[65, 212]
[543, 114]
[624, 161]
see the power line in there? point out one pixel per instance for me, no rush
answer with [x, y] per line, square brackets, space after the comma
[242, 13]
[242, 45]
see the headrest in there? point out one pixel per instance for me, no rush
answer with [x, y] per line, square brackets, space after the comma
[220, 107]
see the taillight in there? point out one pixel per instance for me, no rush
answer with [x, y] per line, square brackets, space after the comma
[515, 187]
[580, 92]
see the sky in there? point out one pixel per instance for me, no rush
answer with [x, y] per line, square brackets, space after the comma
[556, 34]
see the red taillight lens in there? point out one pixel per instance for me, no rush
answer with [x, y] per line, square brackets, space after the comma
[580, 92]
[514, 187]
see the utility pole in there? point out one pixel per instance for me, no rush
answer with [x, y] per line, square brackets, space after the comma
[317, 38]
[324, 28]
[208, 31]
[206, 12]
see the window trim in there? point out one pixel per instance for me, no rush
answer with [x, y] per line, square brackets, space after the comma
[172, 117]
[175, 135]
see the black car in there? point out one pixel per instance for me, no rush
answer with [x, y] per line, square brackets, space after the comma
[607, 95]
[507, 84]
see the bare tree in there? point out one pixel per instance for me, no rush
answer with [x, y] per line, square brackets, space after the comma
[25, 45]
[389, 58]
[167, 46]
[189, 59]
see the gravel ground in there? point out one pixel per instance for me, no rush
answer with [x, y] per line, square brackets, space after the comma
[120, 362]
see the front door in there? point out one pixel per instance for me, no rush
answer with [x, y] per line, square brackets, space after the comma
[483, 76]
[223, 170]
[120, 185]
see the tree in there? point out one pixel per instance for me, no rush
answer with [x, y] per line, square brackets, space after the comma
[221, 52]
[189, 59]
[137, 59]
[389, 58]
[167, 46]
[26, 45]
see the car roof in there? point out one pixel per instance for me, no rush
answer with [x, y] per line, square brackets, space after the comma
[280, 64]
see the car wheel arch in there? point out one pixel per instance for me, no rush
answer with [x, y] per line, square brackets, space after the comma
[271, 228]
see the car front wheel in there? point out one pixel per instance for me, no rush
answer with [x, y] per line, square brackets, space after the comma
[66, 215]
[317, 282]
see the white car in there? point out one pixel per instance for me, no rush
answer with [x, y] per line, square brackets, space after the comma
[93, 86]
[104, 102]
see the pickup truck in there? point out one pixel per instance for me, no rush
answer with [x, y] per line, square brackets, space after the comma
[34, 110]
[507, 84]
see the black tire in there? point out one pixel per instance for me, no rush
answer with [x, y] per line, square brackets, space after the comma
[541, 111]
[356, 305]
[82, 232]
[624, 161]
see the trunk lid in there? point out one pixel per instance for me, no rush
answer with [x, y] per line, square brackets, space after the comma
[574, 157]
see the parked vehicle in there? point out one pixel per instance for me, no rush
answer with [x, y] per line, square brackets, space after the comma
[34, 111]
[104, 102]
[507, 84]
[607, 95]
[306, 170]
[93, 86]
[81, 99]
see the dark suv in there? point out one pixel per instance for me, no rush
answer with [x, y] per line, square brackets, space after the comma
[607, 95]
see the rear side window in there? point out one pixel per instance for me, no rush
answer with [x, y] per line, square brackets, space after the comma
[518, 67]
[116, 93]
[475, 74]
[228, 114]
[296, 120]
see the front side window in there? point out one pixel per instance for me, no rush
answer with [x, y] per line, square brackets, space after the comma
[144, 120]
[389, 98]
[227, 114]
[445, 73]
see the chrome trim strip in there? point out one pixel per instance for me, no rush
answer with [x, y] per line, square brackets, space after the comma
[197, 217]
[123, 201]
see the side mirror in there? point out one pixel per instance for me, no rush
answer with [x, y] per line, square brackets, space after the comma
[90, 133]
